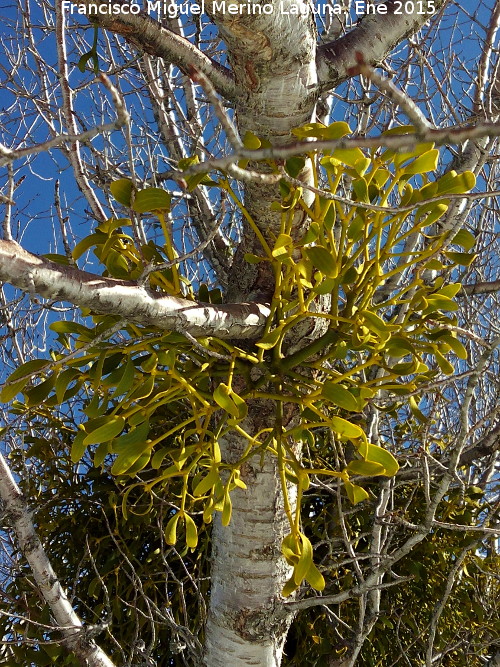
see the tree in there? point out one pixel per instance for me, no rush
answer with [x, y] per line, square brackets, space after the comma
[316, 400]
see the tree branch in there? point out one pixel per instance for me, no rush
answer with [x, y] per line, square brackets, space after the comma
[9, 155]
[374, 37]
[481, 288]
[68, 622]
[148, 35]
[455, 134]
[35, 274]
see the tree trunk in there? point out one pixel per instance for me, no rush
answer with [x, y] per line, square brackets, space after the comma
[273, 60]
[248, 571]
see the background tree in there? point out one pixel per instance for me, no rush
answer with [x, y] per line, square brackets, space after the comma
[320, 392]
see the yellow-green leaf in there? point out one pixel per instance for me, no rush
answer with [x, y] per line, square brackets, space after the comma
[400, 158]
[355, 493]
[444, 364]
[360, 188]
[112, 427]
[462, 258]
[240, 404]
[227, 510]
[62, 382]
[464, 239]
[39, 392]
[439, 302]
[450, 290]
[132, 438]
[283, 245]
[314, 578]
[142, 389]
[126, 380]
[424, 163]
[399, 347]
[152, 199]
[253, 259]
[365, 468]
[415, 410]
[453, 183]
[377, 325]
[191, 532]
[379, 455]
[223, 399]
[158, 457]
[270, 339]
[305, 560]
[435, 211]
[349, 156]
[337, 130]
[129, 448]
[456, 346]
[334, 131]
[290, 550]
[100, 454]
[138, 465]
[345, 428]
[206, 483]
[250, 141]
[340, 396]
[122, 191]
[78, 447]
[322, 259]
[171, 529]
[28, 369]
[10, 391]
[289, 588]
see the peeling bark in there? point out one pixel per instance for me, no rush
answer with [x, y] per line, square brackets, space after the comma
[37, 275]
[248, 570]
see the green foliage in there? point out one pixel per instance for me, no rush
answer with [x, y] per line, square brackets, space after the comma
[91, 55]
[153, 407]
[350, 253]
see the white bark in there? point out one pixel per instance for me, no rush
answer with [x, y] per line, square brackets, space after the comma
[273, 60]
[35, 274]
[248, 570]
[66, 620]
[373, 38]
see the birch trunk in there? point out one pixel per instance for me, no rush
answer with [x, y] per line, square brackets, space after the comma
[248, 571]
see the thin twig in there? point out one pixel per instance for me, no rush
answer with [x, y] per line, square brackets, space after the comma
[7, 233]
[397, 96]
[229, 127]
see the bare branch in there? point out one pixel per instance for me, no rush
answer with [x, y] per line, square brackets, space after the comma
[374, 37]
[74, 154]
[399, 97]
[451, 135]
[68, 623]
[124, 298]
[8, 155]
[149, 36]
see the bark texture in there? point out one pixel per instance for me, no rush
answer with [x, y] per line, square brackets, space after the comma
[37, 275]
[248, 571]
